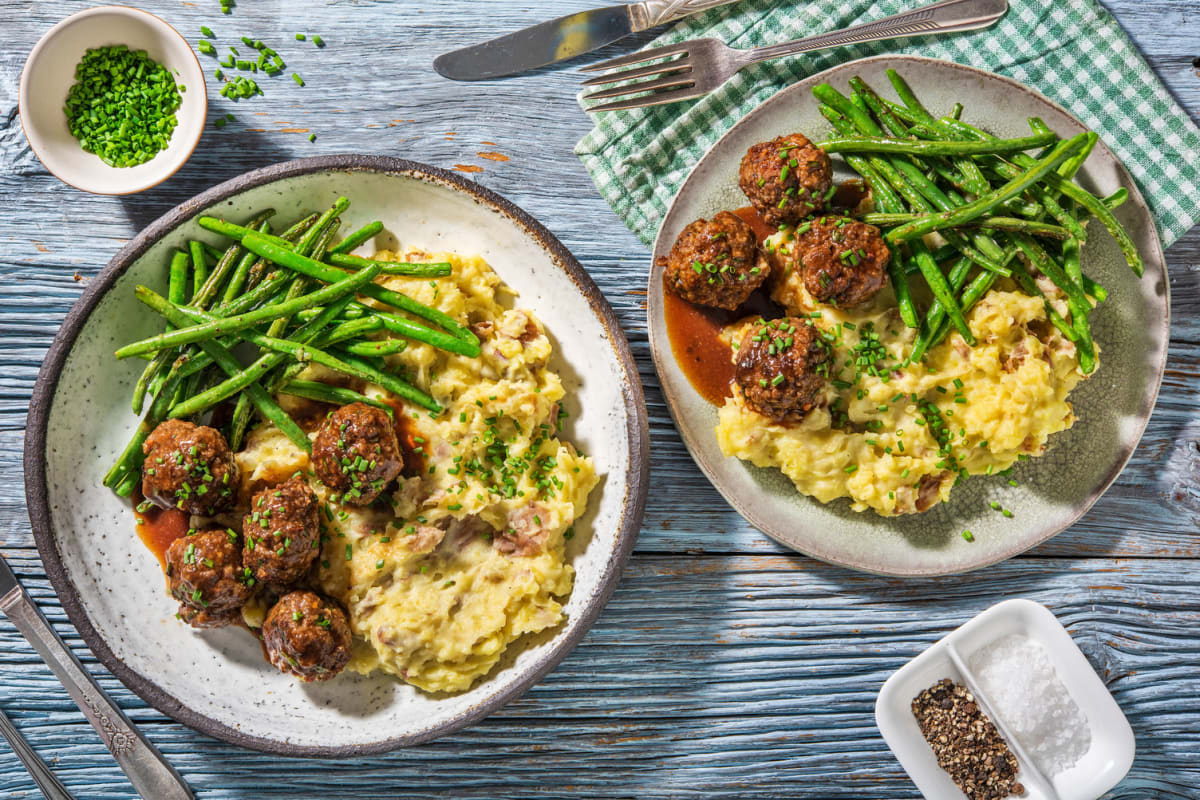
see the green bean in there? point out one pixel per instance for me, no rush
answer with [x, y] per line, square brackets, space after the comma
[270, 286]
[242, 271]
[1014, 224]
[177, 292]
[435, 269]
[177, 282]
[353, 329]
[1074, 272]
[382, 347]
[944, 147]
[351, 242]
[223, 325]
[199, 265]
[299, 227]
[941, 290]
[937, 312]
[985, 203]
[907, 96]
[182, 316]
[335, 395]
[305, 244]
[373, 373]
[239, 421]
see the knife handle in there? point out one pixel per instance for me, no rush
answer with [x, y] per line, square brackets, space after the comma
[652, 13]
[147, 770]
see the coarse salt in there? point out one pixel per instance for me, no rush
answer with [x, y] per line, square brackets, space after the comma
[1015, 675]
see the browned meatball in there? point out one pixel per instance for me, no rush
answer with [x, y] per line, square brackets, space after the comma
[781, 368]
[716, 263]
[786, 179]
[356, 453]
[280, 533]
[205, 574]
[308, 636]
[842, 261]
[189, 467]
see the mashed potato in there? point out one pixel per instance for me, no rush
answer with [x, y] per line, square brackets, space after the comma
[896, 438]
[470, 556]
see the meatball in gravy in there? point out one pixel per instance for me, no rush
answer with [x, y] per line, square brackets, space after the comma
[205, 574]
[786, 179]
[781, 367]
[716, 262]
[189, 467]
[842, 261]
[280, 533]
[356, 453]
[308, 636]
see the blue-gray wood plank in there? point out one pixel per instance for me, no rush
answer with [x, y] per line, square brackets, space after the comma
[723, 666]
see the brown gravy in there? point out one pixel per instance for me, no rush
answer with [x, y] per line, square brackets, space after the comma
[414, 452]
[158, 527]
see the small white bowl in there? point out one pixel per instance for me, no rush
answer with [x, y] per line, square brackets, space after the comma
[1102, 767]
[50, 72]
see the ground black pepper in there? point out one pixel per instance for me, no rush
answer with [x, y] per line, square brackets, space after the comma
[966, 743]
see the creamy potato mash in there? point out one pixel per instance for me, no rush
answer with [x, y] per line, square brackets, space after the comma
[896, 438]
[468, 555]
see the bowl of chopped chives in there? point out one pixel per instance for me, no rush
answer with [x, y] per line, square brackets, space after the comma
[112, 100]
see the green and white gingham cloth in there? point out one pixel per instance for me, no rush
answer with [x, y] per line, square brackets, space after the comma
[1073, 52]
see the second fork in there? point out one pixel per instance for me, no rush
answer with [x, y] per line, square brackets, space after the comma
[699, 66]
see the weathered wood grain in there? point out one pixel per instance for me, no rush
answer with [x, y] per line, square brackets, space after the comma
[722, 667]
[763, 696]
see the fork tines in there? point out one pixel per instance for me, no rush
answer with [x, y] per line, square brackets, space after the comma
[674, 75]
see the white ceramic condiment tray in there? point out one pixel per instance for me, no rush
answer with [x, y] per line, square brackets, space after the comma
[1108, 757]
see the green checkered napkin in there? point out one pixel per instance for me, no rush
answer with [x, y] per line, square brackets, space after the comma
[1072, 52]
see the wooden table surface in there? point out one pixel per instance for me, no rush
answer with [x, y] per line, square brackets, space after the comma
[723, 666]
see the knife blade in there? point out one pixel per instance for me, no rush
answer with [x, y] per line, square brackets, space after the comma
[563, 38]
[147, 770]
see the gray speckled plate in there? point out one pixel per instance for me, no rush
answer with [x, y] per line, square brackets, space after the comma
[111, 585]
[1055, 490]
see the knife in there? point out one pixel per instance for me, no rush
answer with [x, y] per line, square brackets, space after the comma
[563, 38]
[147, 770]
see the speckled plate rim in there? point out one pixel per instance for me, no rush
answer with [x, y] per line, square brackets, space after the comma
[37, 495]
[660, 348]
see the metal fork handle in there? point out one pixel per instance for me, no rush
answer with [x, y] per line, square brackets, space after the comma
[944, 17]
[147, 770]
[46, 780]
[652, 13]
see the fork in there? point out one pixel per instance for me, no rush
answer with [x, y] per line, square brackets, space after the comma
[705, 64]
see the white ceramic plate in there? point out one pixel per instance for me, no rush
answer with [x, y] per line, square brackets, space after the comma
[112, 586]
[1054, 490]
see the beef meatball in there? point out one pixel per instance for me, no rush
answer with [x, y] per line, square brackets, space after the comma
[205, 574]
[356, 453]
[841, 260]
[308, 636]
[781, 368]
[189, 467]
[281, 533]
[786, 179]
[716, 263]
